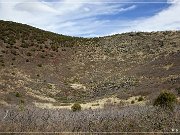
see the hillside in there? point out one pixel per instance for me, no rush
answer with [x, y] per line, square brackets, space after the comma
[37, 66]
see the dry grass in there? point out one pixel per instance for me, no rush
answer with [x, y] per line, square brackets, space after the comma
[167, 67]
[97, 104]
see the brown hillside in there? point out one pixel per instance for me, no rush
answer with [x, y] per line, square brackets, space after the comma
[36, 63]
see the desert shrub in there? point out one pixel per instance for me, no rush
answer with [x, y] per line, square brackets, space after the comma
[22, 101]
[54, 48]
[39, 65]
[1, 61]
[29, 54]
[40, 47]
[140, 99]
[27, 60]
[3, 65]
[95, 104]
[63, 49]
[132, 102]
[13, 73]
[76, 107]
[178, 90]
[46, 46]
[14, 58]
[33, 49]
[165, 100]
[3, 51]
[42, 56]
[17, 94]
[15, 47]
[14, 52]
[49, 86]
[24, 45]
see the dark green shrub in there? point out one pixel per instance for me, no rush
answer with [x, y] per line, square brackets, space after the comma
[13, 73]
[17, 94]
[1, 61]
[178, 90]
[165, 100]
[14, 58]
[22, 101]
[3, 65]
[14, 52]
[24, 45]
[3, 51]
[76, 107]
[132, 102]
[33, 49]
[140, 99]
[29, 54]
[40, 47]
[49, 86]
[39, 65]
[42, 56]
[46, 46]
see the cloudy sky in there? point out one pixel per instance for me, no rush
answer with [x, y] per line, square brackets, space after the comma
[90, 18]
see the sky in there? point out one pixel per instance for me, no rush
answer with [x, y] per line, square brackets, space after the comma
[94, 18]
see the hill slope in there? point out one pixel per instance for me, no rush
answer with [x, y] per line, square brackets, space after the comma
[41, 66]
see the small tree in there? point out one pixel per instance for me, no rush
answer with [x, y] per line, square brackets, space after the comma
[140, 99]
[132, 102]
[178, 90]
[76, 107]
[165, 100]
[17, 94]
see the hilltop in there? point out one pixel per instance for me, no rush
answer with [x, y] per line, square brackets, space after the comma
[37, 66]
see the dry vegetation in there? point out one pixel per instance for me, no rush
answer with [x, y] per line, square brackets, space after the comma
[112, 118]
[40, 69]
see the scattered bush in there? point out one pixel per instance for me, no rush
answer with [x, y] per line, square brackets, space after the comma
[22, 101]
[165, 100]
[132, 102]
[24, 45]
[3, 65]
[140, 99]
[95, 104]
[42, 56]
[178, 90]
[14, 52]
[39, 65]
[13, 73]
[1, 61]
[63, 49]
[76, 107]
[17, 94]
[14, 58]
[33, 49]
[29, 54]
[3, 51]
[49, 86]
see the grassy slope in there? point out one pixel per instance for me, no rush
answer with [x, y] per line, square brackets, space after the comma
[36, 62]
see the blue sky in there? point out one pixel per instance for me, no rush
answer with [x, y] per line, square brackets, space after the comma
[91, 18]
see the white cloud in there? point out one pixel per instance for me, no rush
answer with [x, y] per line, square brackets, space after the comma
[80, 17]
[77, 17]
[166, 19]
